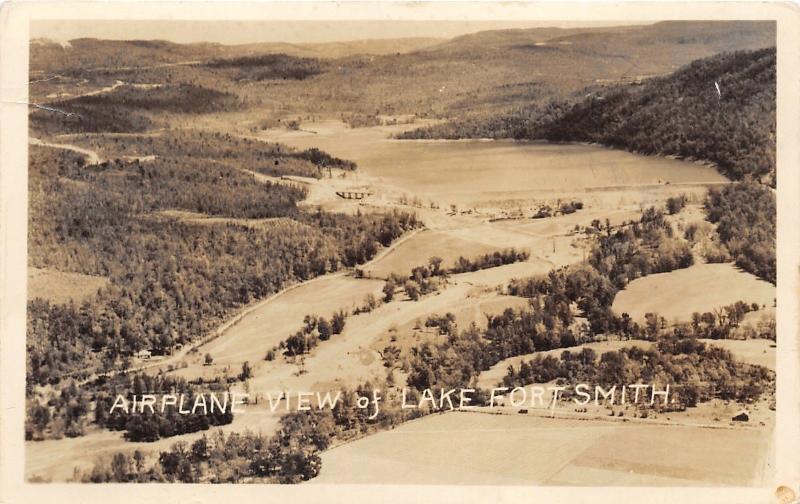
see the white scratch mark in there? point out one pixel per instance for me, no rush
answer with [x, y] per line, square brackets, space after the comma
[45, 107]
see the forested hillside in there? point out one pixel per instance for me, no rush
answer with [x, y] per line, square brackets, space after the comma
[719, 109]
[128, 108]
[172, 281]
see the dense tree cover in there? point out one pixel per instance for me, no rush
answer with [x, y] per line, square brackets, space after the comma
[695, 372]
[683, 114]
[269, 67]
[68, 410]
[446, 324]
[290, 456]
[171, 281]
[725, 323]
[745, 214]
[128, 108]
[521, 123]
[64, 413]
[323, 159]
[566, 208]
[148, 186]
[676, 203]
[489, 72]
[640, 248]
[146, 425]
[422, 280]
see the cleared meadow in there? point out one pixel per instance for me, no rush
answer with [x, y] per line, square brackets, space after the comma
[61, 287]
[276, 320]
[483, 449]
[700, 288]
[760, 352]
[418, 249]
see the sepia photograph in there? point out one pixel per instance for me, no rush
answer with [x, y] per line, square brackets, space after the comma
[470, 252]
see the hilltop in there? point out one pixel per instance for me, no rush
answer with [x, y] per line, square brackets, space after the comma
[478, 74]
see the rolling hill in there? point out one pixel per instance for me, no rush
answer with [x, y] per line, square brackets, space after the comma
[479, 74]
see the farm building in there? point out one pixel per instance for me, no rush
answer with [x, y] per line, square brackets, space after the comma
[144, 354]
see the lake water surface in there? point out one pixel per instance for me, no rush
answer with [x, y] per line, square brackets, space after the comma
[491, 169]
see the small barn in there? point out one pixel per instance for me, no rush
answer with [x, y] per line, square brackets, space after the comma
[144, 354]
[741, 416]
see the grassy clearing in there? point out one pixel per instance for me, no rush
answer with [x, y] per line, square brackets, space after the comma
[60, 287]
[753, 351]
[424, 245]
[700, 288]
[487, 449]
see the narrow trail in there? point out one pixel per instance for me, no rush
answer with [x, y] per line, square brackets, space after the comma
[91, 156]
[107, 89]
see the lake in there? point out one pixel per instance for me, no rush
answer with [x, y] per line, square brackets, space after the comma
[470, 170]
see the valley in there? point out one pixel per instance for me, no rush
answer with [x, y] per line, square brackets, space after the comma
[230, 219]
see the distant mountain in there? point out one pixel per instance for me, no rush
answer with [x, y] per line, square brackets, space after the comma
[495, 71]
[333, 50]
[479, 75]
[51, 56]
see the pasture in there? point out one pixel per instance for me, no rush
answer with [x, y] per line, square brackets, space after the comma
[484, 449]
[62, 287]
[699, 288]
[760, 352]
[422, 246]
[282, 315]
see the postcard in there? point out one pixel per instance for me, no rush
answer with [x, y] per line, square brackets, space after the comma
[399, 251]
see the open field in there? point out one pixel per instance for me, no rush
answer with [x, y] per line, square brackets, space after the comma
[760, 352]
[700, 288]
[417, 250]
[484, 449]
[558, 225]
[61, 287]
[267, 326]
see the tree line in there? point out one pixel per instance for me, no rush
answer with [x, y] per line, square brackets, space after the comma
[695, 372]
